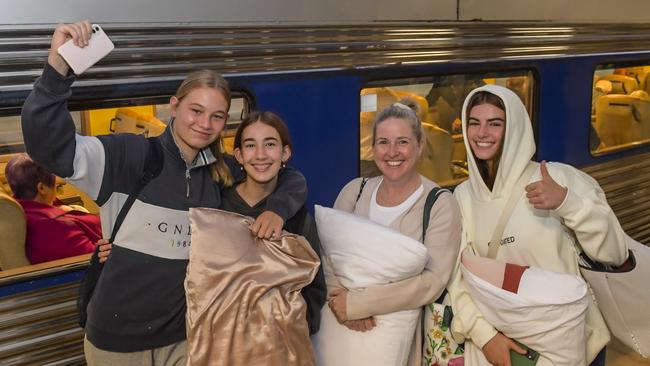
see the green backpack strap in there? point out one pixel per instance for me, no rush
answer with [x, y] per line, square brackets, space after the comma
[432, 197]
[428, 204]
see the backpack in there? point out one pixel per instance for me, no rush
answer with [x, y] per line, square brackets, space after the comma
[153, 164]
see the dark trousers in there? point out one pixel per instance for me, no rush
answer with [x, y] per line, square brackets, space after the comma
[600, 359]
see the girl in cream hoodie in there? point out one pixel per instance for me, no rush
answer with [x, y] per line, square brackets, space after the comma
[499, 142]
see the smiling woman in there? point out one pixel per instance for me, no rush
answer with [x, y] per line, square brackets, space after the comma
[396, 199]
[485, 130]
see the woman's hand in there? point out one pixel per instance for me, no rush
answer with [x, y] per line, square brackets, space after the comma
[361, 325]
[104, 250]
[80, 34]
[268, 225]
[545, 194]
[497, 350]
[338, 303]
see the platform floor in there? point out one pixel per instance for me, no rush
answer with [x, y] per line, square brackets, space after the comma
[620, 355]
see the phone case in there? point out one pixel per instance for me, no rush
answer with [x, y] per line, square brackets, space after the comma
[80, 59]
[529, 359]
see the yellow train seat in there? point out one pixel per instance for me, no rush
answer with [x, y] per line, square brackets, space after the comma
[622, 119]
[639, 74]
[151, 125]
[13, 229]
[621, 84]
[646, 82]
[128, 121]
[125, 121]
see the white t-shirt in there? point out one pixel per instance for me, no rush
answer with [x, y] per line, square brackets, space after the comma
[386, 215]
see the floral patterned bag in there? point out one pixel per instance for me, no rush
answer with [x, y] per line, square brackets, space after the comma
[439, 348]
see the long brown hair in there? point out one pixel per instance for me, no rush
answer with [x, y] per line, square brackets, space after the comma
[485, 97]
[268, 118]
[210, 79]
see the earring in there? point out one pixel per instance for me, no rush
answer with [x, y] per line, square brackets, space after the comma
[241, 167]
[284, 165]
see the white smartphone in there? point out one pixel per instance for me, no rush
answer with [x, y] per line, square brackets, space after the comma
[80, 59]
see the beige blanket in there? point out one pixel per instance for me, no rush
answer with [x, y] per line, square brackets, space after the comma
[243, 294]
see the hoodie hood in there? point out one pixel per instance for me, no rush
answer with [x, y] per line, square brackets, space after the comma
[518, 146]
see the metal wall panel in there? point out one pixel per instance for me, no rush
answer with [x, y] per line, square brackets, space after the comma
[40, 327]
[626, 183]
[169, 52]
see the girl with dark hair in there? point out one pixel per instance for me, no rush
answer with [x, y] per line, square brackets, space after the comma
[256, 295]
[263, 147]
[557, 199]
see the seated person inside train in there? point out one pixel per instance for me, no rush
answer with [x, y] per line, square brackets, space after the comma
[446, 99]
[53, 232]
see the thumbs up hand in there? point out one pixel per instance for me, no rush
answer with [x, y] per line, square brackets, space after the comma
[545, 194]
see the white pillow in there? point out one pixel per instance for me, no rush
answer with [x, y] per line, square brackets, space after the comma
[363, 253]
[554, 305]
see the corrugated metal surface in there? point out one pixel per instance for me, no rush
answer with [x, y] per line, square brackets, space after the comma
[626, 183]
[167, 52]
[40, 328]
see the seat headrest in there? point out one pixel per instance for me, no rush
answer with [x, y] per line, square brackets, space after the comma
[14, 228]
[622, 84]
[641, 94]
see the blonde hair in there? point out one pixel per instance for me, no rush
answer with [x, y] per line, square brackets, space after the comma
[210, 79]
[402, 111]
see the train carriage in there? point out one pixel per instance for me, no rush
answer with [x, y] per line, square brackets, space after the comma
[586, 87]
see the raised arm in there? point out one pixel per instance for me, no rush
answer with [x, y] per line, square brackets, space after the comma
[49, 131]
[48, 128]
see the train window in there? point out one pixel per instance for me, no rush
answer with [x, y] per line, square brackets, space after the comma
[11, 135]
[151, 120]
[147, 119]
[438, 101]
[620, 108]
